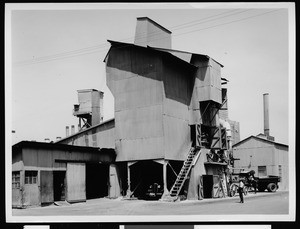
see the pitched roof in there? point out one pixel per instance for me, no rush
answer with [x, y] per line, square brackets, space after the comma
[260, 139]
[85, 130]
[178, 52]
[45, 145]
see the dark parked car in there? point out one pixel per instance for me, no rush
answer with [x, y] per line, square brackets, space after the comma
[154, 191]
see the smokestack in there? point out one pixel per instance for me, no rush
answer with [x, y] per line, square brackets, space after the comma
[72, 129]
[266, 114]
[148, 32]
[67, 131]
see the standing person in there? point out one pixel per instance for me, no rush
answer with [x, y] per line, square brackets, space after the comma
[241, 190]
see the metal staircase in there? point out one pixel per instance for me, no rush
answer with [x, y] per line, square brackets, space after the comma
[183, 174]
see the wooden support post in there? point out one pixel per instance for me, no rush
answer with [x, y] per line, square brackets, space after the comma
[166, 191]
[128, 193]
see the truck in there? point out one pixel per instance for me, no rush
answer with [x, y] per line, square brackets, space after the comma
[260, 183]
[269, 182]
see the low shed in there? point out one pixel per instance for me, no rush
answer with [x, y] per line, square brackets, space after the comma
[265, 157]
[43, 173]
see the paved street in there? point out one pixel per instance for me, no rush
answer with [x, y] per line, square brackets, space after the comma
[260, 203]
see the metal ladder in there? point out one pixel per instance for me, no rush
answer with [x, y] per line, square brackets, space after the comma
[183, 174]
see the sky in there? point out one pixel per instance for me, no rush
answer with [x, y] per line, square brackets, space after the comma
[56, 49]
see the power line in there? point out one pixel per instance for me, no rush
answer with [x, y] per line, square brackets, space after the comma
[91, 48]
[226, 23]
[72, 54]
[259, 147]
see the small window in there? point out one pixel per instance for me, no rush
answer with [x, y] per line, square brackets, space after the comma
[262, 171]
[30, 177]
[15, 179]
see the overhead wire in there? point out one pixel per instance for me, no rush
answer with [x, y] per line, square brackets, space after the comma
[91, 49]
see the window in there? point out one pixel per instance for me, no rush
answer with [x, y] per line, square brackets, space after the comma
[262, 171]
[15, 179]
[279, 171]
[30, 177]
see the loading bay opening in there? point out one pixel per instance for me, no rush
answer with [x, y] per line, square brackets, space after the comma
[97, 180]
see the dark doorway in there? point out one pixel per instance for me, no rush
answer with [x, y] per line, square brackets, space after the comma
[143, 174]
[59, 185]
[208, 184]
[97, 180]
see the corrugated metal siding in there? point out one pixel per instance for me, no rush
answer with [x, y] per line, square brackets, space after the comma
[134, 77]
[104, 136]
[85, 101]
[282, 158]
[42, 158]
[262, 153]
[178, 86]
[137, 92]
[176, 138]
[140, 149]
[138, 123]
[208, 80]
[148, 33]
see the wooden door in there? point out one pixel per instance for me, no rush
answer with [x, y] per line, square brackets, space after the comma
[46, 185]
[76, 182]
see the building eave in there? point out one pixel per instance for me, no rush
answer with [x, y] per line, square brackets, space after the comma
[162, 52]
[186, 52]
[45, 145]
[85, 130]
[260, 139]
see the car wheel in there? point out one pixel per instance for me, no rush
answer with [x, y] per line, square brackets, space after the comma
[233, 189]
[245, 190]
[272, 187]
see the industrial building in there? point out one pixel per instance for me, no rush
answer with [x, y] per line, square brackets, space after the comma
[167, 113]
[262, 154]
[171, 125]
[44, 173]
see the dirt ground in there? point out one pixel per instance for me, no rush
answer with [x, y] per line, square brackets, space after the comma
[255, 204]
